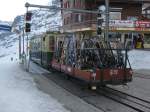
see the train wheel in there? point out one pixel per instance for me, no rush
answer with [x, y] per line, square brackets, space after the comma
[67, 77]
[103, 85]
[52, 70]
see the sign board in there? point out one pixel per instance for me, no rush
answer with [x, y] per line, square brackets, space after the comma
[129, 25]
[121, 23]
[142, 24]
[115, 16]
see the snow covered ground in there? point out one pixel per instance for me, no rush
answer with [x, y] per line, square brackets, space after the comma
[139, 59]
[18, 91]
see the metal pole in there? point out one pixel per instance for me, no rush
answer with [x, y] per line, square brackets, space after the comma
[27, 38]
[23, 42]
[27, 44]
[107, 20]
[19, 46]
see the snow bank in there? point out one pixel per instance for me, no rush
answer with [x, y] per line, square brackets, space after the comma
[139, 59]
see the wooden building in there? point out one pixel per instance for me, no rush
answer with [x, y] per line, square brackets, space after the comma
[125, 24]
[146, 11]
[81, 21]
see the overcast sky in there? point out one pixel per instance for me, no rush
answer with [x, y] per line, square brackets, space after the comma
[9, 9]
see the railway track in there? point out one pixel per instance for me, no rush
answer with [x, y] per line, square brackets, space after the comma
[125, 99]
[128, 100]
[139, 75]
[78, 94]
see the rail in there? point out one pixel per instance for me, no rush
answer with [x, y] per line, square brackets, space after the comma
[128, 100]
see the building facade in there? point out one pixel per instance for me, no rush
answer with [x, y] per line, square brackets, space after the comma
[131, 9]
[128, 21]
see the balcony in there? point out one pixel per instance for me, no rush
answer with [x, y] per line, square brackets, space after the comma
[80, 26]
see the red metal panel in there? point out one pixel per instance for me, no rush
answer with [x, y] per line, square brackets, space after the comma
[113, 74]
[83, 74]
[103, 73]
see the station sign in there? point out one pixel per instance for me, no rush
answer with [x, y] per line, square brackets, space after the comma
[129, 25]
[121, 23]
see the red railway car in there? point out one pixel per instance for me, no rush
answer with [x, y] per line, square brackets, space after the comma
[89, 59]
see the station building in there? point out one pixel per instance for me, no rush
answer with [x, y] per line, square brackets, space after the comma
[131, 21]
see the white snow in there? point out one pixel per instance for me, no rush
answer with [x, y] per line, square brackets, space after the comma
[18, 91]
[139, 59]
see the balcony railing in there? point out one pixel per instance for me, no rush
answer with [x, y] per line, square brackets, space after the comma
[86, 25]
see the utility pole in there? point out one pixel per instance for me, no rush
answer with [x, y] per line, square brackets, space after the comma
[27, 45]
[107, 20]
[27, 37]
[23, 41]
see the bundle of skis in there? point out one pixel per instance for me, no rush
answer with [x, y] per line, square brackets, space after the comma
[90, 53]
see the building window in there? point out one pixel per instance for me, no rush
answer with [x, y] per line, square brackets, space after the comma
[67, 22]
[76, 17]
[65, 5]
[68, 4]
[64, 21]
[78, 3]
[74, 3]
[79, 17]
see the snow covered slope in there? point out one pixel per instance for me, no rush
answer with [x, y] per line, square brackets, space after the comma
[42, 21]
[8, 44]
[7, 40]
